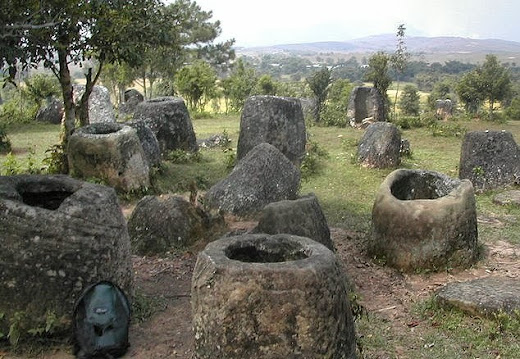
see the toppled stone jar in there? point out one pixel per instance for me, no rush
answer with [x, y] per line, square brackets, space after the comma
[424, 220]
[58, 235]
[270, 296]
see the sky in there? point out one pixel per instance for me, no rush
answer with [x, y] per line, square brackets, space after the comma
[271, 22]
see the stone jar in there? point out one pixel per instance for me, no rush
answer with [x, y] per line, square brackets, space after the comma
[58, 235]
[270, 296]
[424, 220]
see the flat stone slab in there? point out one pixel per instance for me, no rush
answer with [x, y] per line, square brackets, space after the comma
[508, 198]
[483, 296]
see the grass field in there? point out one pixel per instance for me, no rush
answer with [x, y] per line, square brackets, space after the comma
[346, 192]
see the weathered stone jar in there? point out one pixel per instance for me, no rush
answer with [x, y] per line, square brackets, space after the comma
[424, 220]
[57, 236]
[270, 296]
[112, 152]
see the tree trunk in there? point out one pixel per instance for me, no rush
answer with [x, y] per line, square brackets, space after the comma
[82, 107]
[69, 118]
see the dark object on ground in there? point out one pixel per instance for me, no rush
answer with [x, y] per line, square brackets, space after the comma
[424, 220]
[59, 235]
[159, 224]
[170, 121]
[276, 120]
[380, 146]
[483, 296]
[111, 152]
[365, 103]
[270, 296]
[302, 217]
[490, 159]
[101, 321]
[51, 112]
[265, 175]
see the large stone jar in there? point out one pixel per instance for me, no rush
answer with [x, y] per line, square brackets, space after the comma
[111, 152]
[270, 296]
[424, 220]
[58, 235]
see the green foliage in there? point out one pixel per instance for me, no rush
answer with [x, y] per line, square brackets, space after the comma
[315, 154]
[18, 109]
[409, 102]
[490, 82]
[181, 156]
[439, 129]
[23, 327]
[266, 85]
[442, 90]
[40, 87]
[238, 86]
[512, 111]
[231, 158]
[197, 84]
[378, 74]
[334, 112]
[319, 83]
[10, 165]
[5, 142]
[55, 161]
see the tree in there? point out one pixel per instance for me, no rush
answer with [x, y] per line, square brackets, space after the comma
[191, 32]
[266, 85]
[334, 113]
[490, 82]
[58, 33]
[399, 59]
[117, 78]
[378, 74]
[197, 84]
[319, 84]
[239, 85]
[409, 102]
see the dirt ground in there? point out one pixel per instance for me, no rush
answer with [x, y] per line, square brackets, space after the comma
[382, 291]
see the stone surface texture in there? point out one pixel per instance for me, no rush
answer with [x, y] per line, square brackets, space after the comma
[170, 121]
[365, 102]
[149, 142]
[508, 198]
[111, 152]
[483, 296]
[58, 236]
[380, 146]
[161, 223]
[261, 296]
[51, 112]
[302, 217]
[100, 108]
[490, 159]
[132, 98]
[424, 220]
[276, 120]
[264, 176]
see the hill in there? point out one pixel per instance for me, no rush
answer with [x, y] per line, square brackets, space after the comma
[447, 47]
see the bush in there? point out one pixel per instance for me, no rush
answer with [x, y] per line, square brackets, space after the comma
[513, 111]
[311, 163]
[5, 143]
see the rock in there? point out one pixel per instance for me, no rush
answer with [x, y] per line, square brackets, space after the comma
[111, 152]
[424, 220]
[100, 108]
[380, 146]
[405, 149]
[365, 102]
[51, 112]
[160, 224]
[132, 98]
[483, 296]
[276, 120]
[214, 141]
[58, 235]
[149, 142]
[490, 159]
[443, 109]
[302, 217]
[265, 175]
[263, 296]
[169, 120]
[308, 108]
[508, 198]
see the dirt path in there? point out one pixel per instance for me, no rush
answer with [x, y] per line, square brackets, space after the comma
[382, 291]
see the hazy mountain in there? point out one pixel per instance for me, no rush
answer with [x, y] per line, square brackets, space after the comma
[387, 42]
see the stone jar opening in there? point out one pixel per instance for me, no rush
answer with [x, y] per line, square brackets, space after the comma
[422, 185]
[266, 251]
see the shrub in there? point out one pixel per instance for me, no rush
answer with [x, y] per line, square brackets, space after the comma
[311, 162]
[5, 143]
[513, 111]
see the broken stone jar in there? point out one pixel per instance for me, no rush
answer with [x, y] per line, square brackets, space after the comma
[424, 220]
[270, 296]
[58, 235]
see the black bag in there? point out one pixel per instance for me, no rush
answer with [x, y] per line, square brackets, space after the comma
[101, 321]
